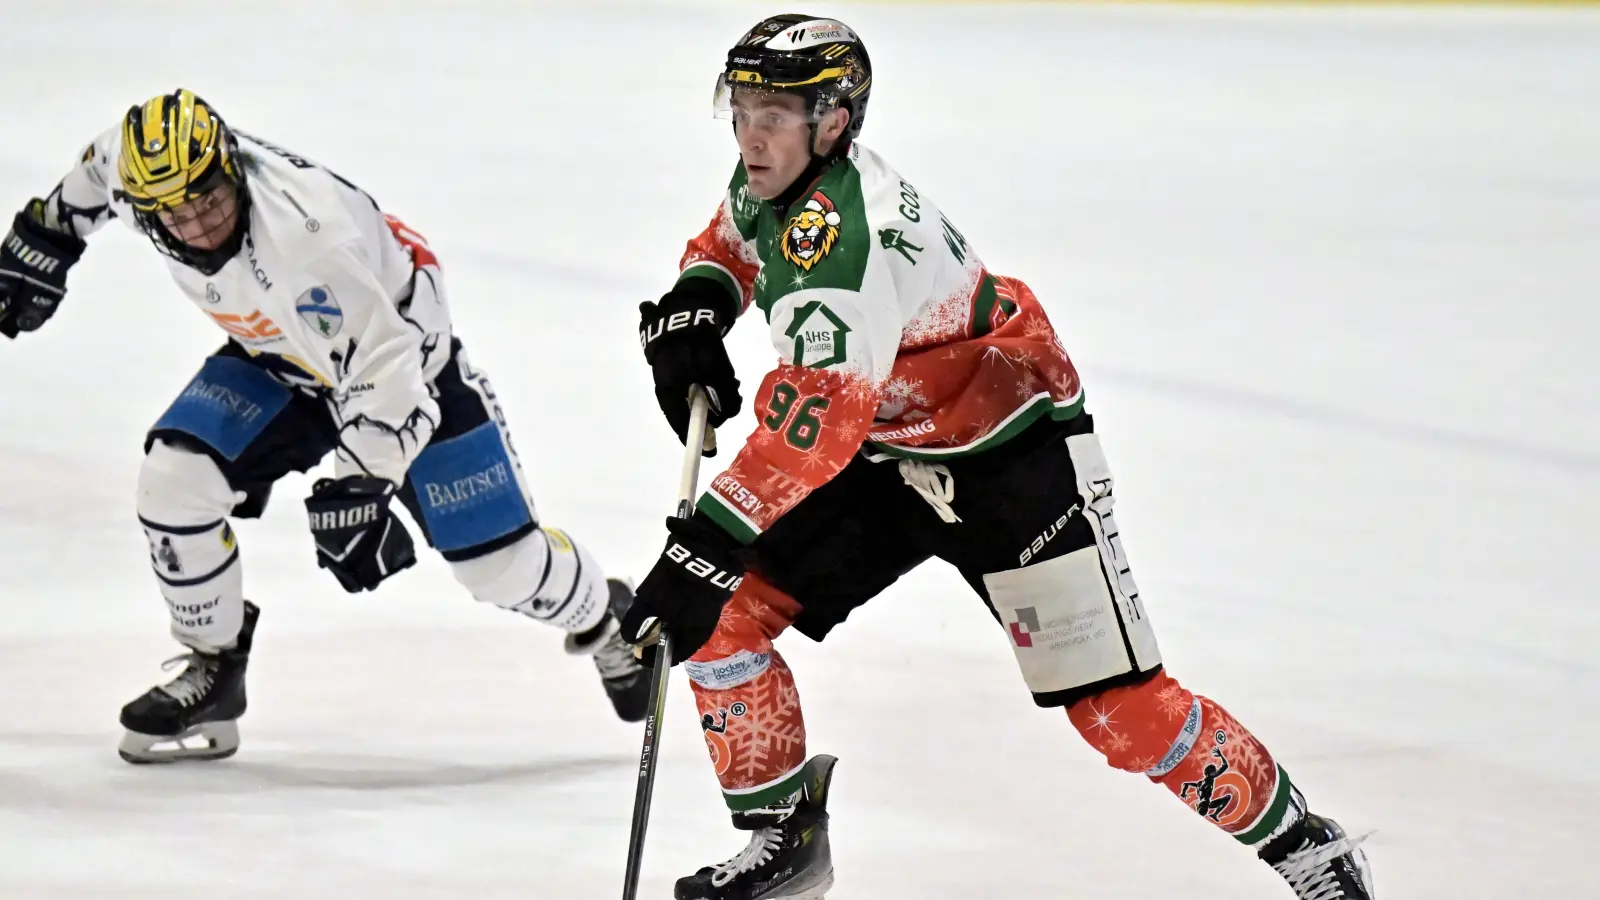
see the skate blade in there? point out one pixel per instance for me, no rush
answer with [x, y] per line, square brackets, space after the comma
[207, 741]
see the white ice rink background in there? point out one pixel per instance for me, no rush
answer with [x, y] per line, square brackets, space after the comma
[1332, 277]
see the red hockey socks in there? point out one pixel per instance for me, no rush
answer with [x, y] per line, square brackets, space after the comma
[749, 707]
[1191, 745]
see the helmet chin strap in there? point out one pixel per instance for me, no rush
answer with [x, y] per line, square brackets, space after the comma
[814, 169]
[841, 144]
[805, 179]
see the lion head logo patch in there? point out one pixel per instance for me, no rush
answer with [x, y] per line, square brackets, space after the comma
[811, 235]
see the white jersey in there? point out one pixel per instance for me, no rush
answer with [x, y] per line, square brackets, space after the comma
[333, 294]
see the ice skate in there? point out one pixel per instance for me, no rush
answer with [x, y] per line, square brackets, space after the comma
[626, 681]
[788, 855]
[1320, 862]
[194, 716]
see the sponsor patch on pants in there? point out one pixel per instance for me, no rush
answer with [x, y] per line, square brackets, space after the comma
[1061, 621]
[226, 405]
[467, 489]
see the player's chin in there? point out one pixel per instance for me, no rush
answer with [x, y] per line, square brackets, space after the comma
[760, 180]
[210, 239]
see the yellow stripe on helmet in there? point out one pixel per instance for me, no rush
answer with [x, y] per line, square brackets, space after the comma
[168, 144]
[824, 75]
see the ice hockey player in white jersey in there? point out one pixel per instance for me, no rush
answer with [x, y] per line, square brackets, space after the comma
[340, 341]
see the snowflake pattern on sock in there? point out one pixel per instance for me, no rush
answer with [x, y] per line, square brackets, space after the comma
[1226, 776]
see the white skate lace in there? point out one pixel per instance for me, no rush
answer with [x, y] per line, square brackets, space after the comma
[924, 479]
[1309, 870]
[193, 683]
[763, 844]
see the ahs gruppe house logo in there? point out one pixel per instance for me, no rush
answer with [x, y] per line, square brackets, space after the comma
[1025, 627]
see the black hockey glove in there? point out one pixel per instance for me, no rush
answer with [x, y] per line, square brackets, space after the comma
[682, 341]
[33, 270]
[684, 593]
[358, 538]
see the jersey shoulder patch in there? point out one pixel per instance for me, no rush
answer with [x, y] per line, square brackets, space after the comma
[99, 159]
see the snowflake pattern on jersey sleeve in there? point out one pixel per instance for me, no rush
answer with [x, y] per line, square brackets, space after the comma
[722, 246]
[811, 423]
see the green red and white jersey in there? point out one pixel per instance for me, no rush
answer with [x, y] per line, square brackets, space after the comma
[890, 333]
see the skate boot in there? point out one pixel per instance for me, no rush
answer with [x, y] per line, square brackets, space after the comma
[788, 855]
[1320, 862]
[195, 715]
[626, 680]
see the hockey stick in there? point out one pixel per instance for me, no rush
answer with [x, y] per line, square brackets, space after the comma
[698, 437]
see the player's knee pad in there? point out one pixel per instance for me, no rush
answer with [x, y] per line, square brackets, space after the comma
[181, 487]
[1155, 726]
[183, 499]
[544, 575]
[1148, 727]
[740, 650]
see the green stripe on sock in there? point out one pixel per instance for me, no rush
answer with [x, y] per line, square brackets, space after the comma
[1273, 817]
[768, 795]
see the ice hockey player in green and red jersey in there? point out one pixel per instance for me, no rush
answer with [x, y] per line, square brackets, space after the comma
[922, 406]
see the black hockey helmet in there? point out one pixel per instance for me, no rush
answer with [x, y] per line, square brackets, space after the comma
[820, 59]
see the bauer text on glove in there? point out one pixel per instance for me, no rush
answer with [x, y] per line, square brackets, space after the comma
[682, 340]
[684, 593]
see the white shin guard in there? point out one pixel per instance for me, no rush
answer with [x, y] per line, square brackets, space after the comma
[183, 502]
[545, 576]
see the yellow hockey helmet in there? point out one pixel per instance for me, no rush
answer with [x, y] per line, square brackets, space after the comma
[175, 148]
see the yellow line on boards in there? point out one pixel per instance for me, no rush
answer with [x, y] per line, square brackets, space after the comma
[1281, 4]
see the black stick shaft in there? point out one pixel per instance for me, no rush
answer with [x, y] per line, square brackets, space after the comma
[698, 437]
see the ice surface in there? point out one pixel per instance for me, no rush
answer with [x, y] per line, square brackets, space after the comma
[1330, 276]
